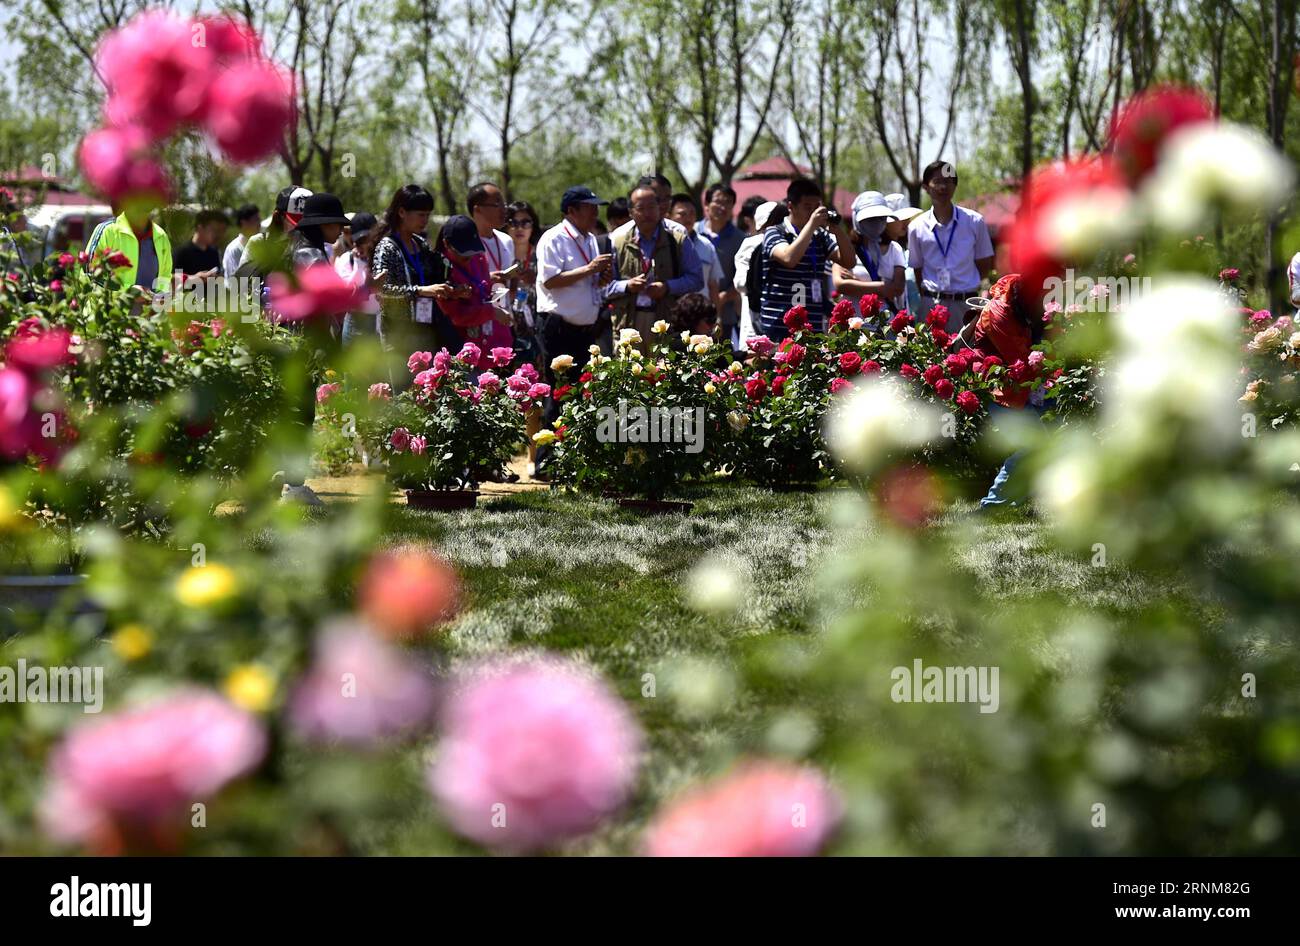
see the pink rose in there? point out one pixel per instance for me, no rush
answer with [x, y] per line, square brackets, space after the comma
[539, 391]
[391, 694]
[418, 361]
[400, 439]
[117, 164]
[140, 770]
[320, 292]
[250, 109]
[418, 445]
[1036, 359]
[543, 739]
[380, 391]
[469, 354]
[489, 382]
[34, 350]
[501, 357]
[840, 384]
[761, 345]
[326, 391]
[529, 371]
[156, 75]
[442, 360]
[407, 592]
[761, 809]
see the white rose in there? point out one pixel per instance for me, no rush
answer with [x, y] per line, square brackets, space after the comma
[629, 336]
[561, 362]
[737, 421]
[855, 323]
[660, 328]
[636, 367]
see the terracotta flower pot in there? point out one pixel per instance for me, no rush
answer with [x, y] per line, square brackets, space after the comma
[655, 506]
[442, 499]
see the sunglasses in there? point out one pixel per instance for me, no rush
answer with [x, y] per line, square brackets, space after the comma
[521, 224]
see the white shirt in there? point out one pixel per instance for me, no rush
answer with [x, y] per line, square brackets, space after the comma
[234, 252]
[957, 253]
[892, 257]
[710, 268]
[563, 249]
[500, 251]
[747, 247]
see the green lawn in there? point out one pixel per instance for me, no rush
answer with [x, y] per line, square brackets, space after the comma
[606, 587]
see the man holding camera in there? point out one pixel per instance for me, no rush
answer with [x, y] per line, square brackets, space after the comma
[797, 259]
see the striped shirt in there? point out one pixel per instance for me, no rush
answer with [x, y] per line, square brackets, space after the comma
[784, 288]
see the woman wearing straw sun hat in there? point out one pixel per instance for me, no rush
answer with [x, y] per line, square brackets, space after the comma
[880, 265]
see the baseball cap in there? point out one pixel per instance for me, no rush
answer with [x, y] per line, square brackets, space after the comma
[361, 224]
[461, 235]
[579, 195]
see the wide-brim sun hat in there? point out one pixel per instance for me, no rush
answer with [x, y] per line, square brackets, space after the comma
[902, 210]
[870, 204]
[763, 212]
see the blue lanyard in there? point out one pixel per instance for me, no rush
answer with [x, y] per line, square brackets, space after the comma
[951, 233]
[866, 261]
[412, 261]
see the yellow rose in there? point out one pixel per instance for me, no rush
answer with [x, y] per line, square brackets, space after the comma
[660, 328]
[544, 438]
[250, 687]
[636, 367]
[205, 586]
[131, 641]
[8, 509]
[710, 388]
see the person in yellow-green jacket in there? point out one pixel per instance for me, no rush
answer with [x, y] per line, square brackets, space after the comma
[142, 242]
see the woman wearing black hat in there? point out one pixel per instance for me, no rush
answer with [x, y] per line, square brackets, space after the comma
[409, 277]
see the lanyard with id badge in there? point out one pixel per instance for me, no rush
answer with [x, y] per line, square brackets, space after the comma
[643, 300]
[423, 305]
[582, 251]
[943, 278]
[815, 288]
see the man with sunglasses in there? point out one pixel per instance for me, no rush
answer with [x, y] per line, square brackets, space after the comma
[487, 208]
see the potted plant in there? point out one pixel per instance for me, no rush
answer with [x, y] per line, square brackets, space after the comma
[452, 427]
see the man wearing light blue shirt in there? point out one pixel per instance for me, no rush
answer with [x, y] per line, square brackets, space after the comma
[948, 247]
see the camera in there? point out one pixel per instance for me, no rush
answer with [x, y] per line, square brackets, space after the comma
[832, 218]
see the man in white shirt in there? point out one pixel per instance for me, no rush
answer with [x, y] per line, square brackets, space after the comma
[571, 273]
[249, 220]
[683, 211]
[948, 247]
[487, 208]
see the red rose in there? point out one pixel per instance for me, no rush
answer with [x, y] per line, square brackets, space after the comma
[839, 384]
[790, 353]
[117, 259]
[941, 337]
[869, 305]
[871, 367]
[1147, 120]
[968, 401]
[943, 388]
[755, 388]
[933, 373]
[899, 322]
[991, 361]
[560, 431]
[778, 385]
[561, 393]
[937, 317]
[584, 377]
[850, 362]
[841, 312]
[796, 319]
[956, 363]
[909, 371]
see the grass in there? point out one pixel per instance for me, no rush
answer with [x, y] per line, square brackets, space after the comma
[606, 587]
